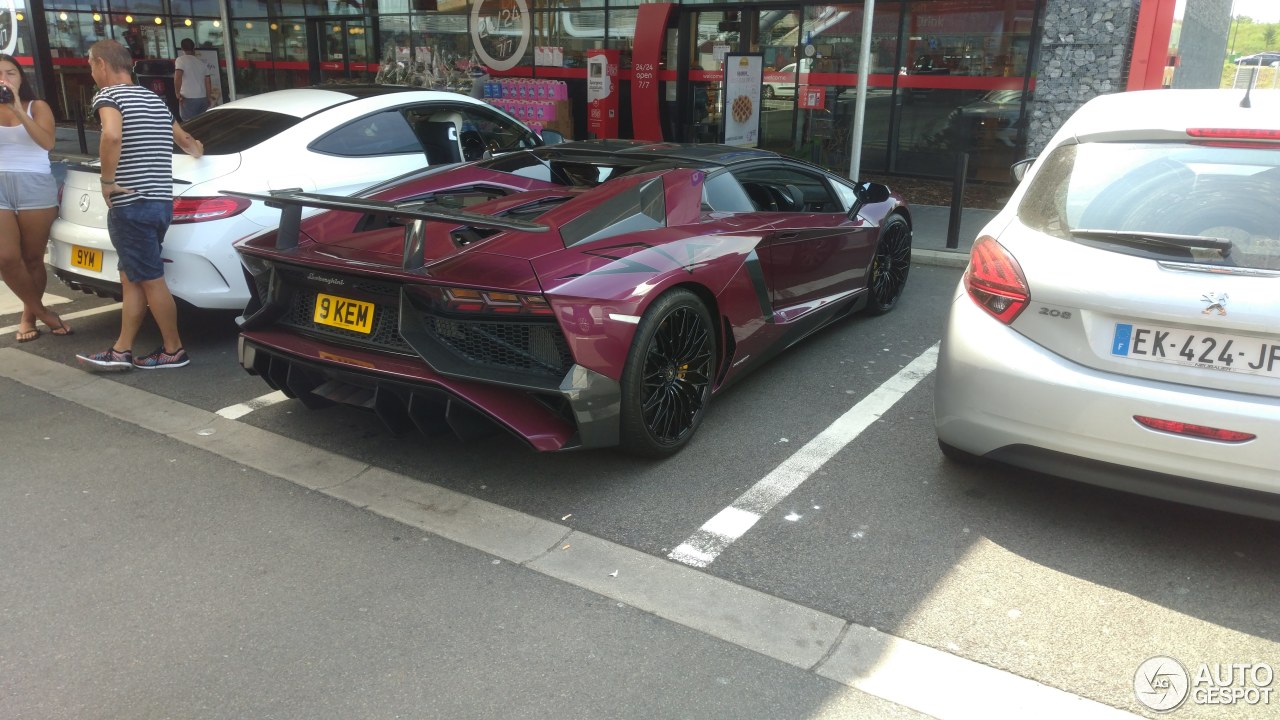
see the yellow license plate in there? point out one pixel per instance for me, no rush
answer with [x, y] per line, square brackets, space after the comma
[340, 312]
[87, 258]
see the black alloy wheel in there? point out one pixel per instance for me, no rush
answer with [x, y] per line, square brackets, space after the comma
[666, 383]
[890, 266]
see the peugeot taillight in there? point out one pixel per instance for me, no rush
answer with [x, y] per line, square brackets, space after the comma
[204, 209]
[1234, 133]
[1178, 427]
[995, 281]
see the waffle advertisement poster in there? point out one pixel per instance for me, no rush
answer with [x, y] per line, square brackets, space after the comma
[742, 77]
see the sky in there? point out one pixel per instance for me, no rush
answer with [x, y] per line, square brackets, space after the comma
[1264, 11]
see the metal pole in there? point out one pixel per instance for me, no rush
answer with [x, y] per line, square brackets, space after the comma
[226, 50]
[957, 201]
[860, 103]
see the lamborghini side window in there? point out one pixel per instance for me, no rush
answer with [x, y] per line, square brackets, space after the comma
[722, 193]
[846, 195]
[780, 188]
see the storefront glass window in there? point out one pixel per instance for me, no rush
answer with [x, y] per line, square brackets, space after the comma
[716, 34]
[247, 8]
[442, 49]
[961, 85]
[69, 5]
[71, 33]
[570, 34]
[830, 49]
[289, 40]
[138, 7]
[622, 34]
[778, 40]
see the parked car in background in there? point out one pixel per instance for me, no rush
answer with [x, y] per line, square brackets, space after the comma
[782, 83]
[336, 139]
[1263, 58]
[1119, 320]
[583, 295]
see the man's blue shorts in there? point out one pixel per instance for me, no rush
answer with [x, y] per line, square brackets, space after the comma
[136, 230]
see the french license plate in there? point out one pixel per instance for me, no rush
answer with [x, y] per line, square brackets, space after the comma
[340, 312]
[1210, 350]
[87, 258]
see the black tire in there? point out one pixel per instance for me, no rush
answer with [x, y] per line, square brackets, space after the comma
[769, 92]
[666, 382]
[890, 266]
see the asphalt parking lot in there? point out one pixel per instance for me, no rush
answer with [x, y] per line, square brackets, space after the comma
[865, 525]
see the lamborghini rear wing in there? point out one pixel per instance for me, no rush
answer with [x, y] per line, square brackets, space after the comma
[417, 213]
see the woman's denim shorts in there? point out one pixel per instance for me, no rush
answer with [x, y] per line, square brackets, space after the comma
[27, 191]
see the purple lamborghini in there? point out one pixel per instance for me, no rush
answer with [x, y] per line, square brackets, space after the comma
[588, 294]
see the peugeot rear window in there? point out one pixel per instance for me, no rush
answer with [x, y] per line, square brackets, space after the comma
[1205, 202]
[233, 130]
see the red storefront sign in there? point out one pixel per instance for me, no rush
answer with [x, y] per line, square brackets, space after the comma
[812, 97]
[646, 55]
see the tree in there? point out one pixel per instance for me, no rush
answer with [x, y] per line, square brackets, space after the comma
[1269, 36]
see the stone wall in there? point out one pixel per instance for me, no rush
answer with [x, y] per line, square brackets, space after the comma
[1084, 52]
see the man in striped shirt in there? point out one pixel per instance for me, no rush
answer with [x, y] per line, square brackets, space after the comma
[136, 149]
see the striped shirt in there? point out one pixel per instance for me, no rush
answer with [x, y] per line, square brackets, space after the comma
[146, 149]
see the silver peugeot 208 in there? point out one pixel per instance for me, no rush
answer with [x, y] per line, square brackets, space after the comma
[1119, 320]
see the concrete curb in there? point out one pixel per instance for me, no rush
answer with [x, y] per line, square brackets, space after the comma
[943, 258]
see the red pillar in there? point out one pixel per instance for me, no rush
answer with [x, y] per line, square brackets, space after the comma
[1151, 44]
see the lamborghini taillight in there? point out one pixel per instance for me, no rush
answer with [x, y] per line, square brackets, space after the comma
[467, 300]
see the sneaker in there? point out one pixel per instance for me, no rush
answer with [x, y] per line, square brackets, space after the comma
[109, 359]
[160, 360]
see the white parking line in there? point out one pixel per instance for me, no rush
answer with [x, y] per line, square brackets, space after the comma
[733, 522]
[236, 412]
[71, 316]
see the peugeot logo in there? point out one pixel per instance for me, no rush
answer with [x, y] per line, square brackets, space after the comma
[84, 203]
[1215, 301]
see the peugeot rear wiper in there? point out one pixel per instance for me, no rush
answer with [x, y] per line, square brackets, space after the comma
[1174, 240]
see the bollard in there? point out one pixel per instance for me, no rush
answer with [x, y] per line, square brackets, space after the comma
[84, 143]
[957, 200]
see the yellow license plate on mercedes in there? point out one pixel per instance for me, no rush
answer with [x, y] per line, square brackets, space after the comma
[340, 312]
[87, 258]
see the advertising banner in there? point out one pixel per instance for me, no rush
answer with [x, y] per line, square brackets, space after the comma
[212, 66]
[602, 93]
[741, 104]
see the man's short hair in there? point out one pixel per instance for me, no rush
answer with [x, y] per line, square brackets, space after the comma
[113, 53]
[188, 45]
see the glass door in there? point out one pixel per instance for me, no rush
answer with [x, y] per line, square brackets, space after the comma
[339, 52]
[775, 34]
[713, 34]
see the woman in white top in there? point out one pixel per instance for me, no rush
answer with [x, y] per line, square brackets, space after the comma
[28, 198]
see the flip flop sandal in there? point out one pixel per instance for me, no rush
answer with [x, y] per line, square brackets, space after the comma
[26, 336]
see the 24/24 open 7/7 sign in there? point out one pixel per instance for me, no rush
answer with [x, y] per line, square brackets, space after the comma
[500, 32]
